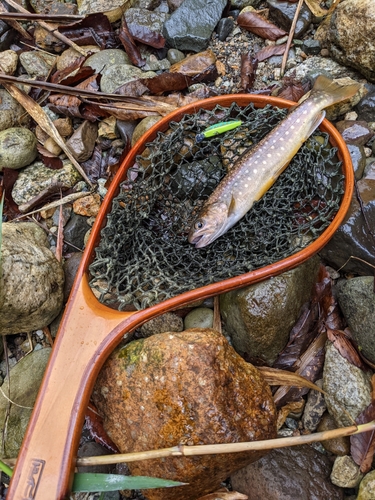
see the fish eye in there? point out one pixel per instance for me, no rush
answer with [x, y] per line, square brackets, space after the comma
[198, 225]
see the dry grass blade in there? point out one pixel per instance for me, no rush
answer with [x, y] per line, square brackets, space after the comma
[212, 449]
[49, 28]
[291, 35]
[54, 204]
[8, 16]
[60, 237]
[273, 376]
[45, 123]
[10, 19]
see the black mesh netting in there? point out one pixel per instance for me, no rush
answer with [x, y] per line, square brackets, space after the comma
[144, 256]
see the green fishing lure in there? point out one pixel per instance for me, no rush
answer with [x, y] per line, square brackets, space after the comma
[218, 128]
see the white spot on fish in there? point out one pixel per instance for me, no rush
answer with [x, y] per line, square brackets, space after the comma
[268, 156]
[255, 171]
[272, 147]
[297, 121]
[264, 163]
[240, 192]
[246, 185]
[292, 127]
[286, 133]
[305, 112]
[282, 148]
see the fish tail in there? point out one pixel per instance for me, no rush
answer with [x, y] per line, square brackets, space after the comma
[333, 91]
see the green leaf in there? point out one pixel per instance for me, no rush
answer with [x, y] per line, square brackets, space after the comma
[91, 482]
[4, 467]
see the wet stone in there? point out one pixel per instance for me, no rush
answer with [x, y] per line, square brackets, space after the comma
[366, 107]
[157, 392]
[224, 27]
[143, 126]
[103, 59]
[358, 156]
[354, 132]
[10, 110]
[314, 409]
[357, 302]
[168, 322]
[282, 14]
[118, 74]
[70, 56]
[345, 472]
[175, 56]
[298, 472]
[82, 142]
[37, 64]
[7, 38]
[185, 30]
[17, 148]
[349, 386]
[201, 317]
[338, 446]
[367, 487]
[74, 232]
[146, 26]
[8, 61]
[311, 47]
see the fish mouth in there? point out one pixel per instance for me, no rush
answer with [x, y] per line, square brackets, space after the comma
[197, 241]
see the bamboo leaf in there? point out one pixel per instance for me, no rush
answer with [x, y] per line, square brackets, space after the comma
[274, 376]
[85, 481]
[5, 468]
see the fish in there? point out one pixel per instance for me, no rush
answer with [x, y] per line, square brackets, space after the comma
[257, 169]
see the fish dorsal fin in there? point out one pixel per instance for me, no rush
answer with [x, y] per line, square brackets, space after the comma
[232, 206]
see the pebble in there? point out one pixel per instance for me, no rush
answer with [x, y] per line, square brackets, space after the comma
[201, 317]
[116, 75]
[37, 64]
[339, 446]
[167, 322]
[10, 110]
[282, 14]
[367, 487]
[17, 148]
[366, 108]
[143, 126]
[311, 47]
[224, 27]
[82, 142]
[358, 157]
[146, 26]
[88, 206]
[103, 59]
[175, 56]
[70, 271]
[8, 61]
[355, 132]
[74, 232]
[349, 386]
[314, 408]
[66, 213]
[345, 472]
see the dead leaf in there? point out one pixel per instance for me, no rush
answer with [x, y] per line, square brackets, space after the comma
[94, 29]
[195, 64]
[10, 209]
[71, 105]
[269, 51]
[249, 66]
[224, 494]
[94, 423]
[292, 407]
[256, 24]
[345, 347]
[292, 89]
[274, 376]
[362, 446]
[147, 36]
[129, 45]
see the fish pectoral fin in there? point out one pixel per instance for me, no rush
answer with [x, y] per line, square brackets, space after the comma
[232, 206]
[316, 122]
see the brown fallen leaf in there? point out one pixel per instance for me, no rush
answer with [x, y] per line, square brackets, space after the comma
[274, 376]
[269, 51]
[293, 90]
[293, 406]
[94, 29]
[195, 64]
[345, 347]
[224, 494]
[362, 446]
[71, 105]
[129, 45]
[256, 24]
[249, 65]
[95, 425]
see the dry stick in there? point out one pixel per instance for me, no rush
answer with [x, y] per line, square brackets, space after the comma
[8, 16]
[49, 28]
[290, 37]
[212, 449]
[7, 413]
[356, 258]
[13, 23]
[217, 319]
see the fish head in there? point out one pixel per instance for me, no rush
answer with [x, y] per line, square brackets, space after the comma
[211, 223]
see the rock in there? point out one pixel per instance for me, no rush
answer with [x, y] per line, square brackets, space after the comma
[75, 230]
[8, 61]
[32, 290]
[366, 107]
[347, 387]
[345, 472]
[118, 74]
[357, 302]
[108, 128]
[314, 408]
[7, 38]
[287, 474]
[351, 36]
[358, 156]
[315, 66]
[10, 110]
[70, 56]
[338, 446]
[37, 64]
[88, 205]
[126, 130]
[92, 449]
[37, 178]
[352, 238]
[355, 131]
[311, 47]
[282, 14]
[157, 392]
[70, 271]
[143, 126]
[367, 487]
[241, 4]
[25, 377]
[82, 142]
[113, 9]
[17, 148]
[167, 322]
[224, 27]
[201, 317]
[146, 26]
[175, 56]
[259, 317]
[103, 59]
[185, 30]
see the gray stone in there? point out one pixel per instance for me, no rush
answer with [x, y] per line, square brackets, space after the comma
[259, 317]
[70, 269]
[358, 156]
[224, 27]
[143, 126]
[82, 142]
[146, 26]
[75, 231]
[241, 4]
[10, 110]
[352, 237]
[282, 13]
[314, 408]
[201, 317]
[37, 64]
[31, 291]
[311, 47]
[92, 449]
[355, 131]
[367, 487]
[366, 108]
[17, 148]
[8, 61]
[357, 302]
[345, 473]
[25, 378]
[167, 322]
[298, 472]
[175, 56]
[100, 61]
[347, 387]
[70, 56]
[191, 25]
[7, 38]
[36, 178]
[118, 74]
[315, 66]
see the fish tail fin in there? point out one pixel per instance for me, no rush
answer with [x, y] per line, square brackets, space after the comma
[333, 91]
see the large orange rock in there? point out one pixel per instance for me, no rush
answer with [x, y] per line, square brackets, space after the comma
[184, 388]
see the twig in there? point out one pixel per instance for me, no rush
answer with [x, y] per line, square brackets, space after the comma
[212, 449]
[12, 402]
[54, 204]
[7, 413]
[49, 28]
[47, 333]
[217, 319]
[290, 37]
[14, 24]
[29, 16]
[356, 258]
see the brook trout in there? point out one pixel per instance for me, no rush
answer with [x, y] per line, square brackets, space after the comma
[257, 170]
